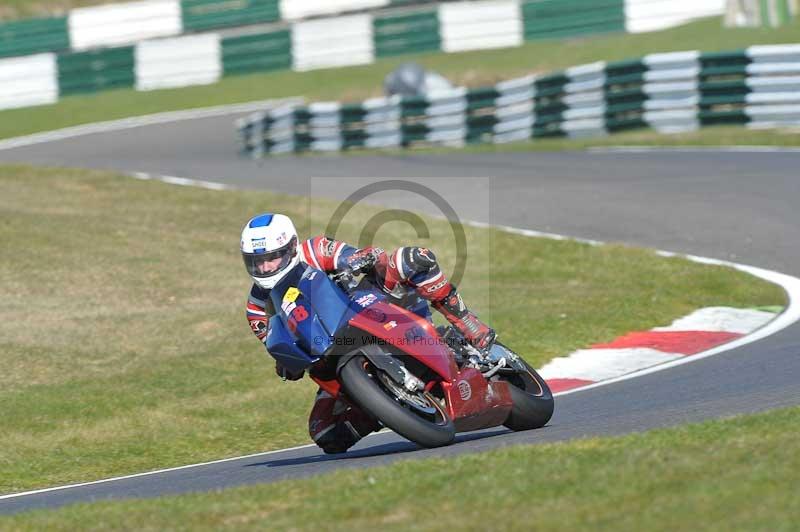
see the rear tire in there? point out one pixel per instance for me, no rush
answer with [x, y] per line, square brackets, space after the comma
[533, 400]
[372, 398]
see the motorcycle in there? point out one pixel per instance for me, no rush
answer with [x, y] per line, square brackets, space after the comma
[423, 382]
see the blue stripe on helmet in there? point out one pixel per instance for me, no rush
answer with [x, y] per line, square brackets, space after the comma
[261, 221]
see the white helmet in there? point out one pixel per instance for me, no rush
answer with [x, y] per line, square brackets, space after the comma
[265, 239]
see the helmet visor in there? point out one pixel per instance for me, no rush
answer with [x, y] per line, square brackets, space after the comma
[270, 263]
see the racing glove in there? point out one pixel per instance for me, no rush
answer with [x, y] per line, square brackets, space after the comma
[363, 260]
[287, 374]
[474, 330]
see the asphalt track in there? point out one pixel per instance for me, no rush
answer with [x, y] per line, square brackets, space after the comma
[731, 206]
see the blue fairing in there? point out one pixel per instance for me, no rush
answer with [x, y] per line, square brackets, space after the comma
[305, 323]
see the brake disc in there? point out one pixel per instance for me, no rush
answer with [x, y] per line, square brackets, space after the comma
[416, 401]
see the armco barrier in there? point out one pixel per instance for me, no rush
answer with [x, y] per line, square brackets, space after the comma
[668, 92]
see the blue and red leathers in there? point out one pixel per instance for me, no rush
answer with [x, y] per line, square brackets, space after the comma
[333, 424]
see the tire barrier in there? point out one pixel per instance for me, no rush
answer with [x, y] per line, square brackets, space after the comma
[671, 92]
[118, 45]
[130, 22]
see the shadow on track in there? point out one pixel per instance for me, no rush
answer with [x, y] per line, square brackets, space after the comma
[397, 447]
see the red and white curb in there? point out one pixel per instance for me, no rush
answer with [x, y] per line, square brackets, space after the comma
[698, 332]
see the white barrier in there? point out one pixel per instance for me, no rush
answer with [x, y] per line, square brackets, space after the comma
[652, 15]
[332, 42]
[774, 79]
[26, 81]
[672, 85]
[480, 25]
[123, 23]
[300, 9]
[178, 62]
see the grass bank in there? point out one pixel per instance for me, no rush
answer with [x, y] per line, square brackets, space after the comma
[356, 83]
[122, 332]
[734, 474]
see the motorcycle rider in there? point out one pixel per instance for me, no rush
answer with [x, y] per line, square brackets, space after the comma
[271, 249]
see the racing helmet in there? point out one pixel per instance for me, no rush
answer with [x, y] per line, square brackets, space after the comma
[269, 248]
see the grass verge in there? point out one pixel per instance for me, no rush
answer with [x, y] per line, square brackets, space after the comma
[708, 137]
[355, 83]
[734, 474]
[17, 9]
[122, 332]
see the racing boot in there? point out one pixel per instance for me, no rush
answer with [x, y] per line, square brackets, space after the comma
[477, 333]
[335, 426]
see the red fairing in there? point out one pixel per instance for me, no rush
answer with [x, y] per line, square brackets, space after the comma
[409, 333]
[475, 403]
[332, 387]
[472, 401]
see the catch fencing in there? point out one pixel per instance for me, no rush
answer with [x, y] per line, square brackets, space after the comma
[671, 92]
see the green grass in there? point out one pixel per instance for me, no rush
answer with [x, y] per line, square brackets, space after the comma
[356, 83]
[734, 474]
[123, 339]
[17, 9]
[705, 138]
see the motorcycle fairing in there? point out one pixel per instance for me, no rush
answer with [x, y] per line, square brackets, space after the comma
[283, 348]
[475, 403]
[472, 401]
[408, 332]
[310, 310]
[299, 338]
[298, 332]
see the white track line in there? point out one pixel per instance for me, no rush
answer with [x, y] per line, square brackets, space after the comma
[182, 181]
[693, 149]
[789, 316]
[45, 490]
[144, 120]
[178, 468]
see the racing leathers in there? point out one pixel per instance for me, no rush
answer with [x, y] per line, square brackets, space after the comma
[334, 424]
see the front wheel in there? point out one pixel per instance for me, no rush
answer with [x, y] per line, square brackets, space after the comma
[418, 417]
[533, 400]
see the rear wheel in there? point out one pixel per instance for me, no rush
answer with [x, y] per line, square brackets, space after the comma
[417, 416]
[533, 401]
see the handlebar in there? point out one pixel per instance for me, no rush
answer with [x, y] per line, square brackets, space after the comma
[345, 279]
[343, 275]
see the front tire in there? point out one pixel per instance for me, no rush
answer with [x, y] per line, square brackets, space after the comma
[359, 385]
[533, 400]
